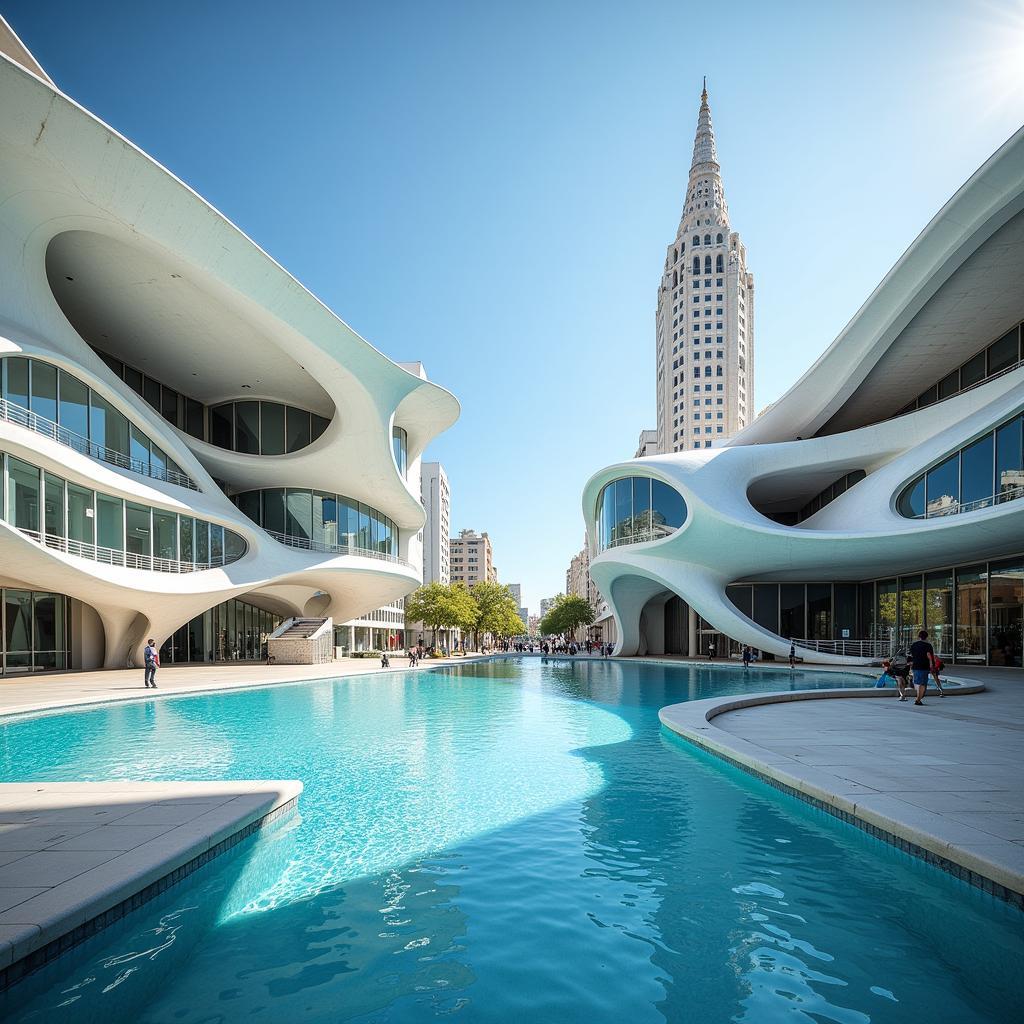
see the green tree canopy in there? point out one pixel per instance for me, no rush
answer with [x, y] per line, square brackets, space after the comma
[497, 611]
[441, 606]
[566, 615]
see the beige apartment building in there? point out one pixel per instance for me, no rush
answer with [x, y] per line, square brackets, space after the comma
[705, 315]
[472, 558]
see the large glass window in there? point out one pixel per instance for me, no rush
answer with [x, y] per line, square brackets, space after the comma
[16, 381]
[53, 506]
[966, 480]
[109, 522]
[845, 611]
[81, 517]
[271, 428]
[300, 513]
[911, 609]
[943, 487]
[885, 615]
[971, 613]
[17, 630]
[792, 611]
[400, 448]
[637, 509]
[97, 428]
[1006, 620]
[297, 429]
[819, 611]
[976, 472]
[766, 606]
[938, 611]
[22, 495]
[165, 534]
[1004, 352]
[1009, 483]
[44, 390]
[247, 428]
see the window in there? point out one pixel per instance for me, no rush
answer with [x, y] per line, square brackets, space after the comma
[718, 238]
[719, 264]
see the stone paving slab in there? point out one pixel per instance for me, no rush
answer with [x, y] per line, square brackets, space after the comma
[71, 852]
[947, 777]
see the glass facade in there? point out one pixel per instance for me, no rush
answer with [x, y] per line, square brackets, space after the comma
[33, 631]
[988, 471]
[319, 519]
[231, 631]
[91, 424]
[250, 427]
[972, 613]
[1003, 354]
[635, 509]
[109, 529]
[400, 448]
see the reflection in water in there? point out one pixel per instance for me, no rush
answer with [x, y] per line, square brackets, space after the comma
[510, 841]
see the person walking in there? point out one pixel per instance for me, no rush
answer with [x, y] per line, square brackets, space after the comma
[385, 661]
[792, 654]
[748, 654]
[151, 657]
[922, 662]
[711, 650]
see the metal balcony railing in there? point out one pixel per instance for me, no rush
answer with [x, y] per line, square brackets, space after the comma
[47, 428]
[847, 648]
[639, 537]
[128, 559]
[955, 508]
[335, 549]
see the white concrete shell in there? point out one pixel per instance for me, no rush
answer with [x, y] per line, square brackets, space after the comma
[955, 290]
[100, 245]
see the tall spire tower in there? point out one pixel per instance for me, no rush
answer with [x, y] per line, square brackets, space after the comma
[705, 314]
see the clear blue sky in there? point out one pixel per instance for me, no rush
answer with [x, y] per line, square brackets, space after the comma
[490, 187]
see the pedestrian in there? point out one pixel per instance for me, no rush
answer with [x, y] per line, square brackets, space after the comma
[792, 654]
[385, 661]
[151, 656]
[897, 675]
[937, 666]
[922, 662]
[747, 656]
[711, 650]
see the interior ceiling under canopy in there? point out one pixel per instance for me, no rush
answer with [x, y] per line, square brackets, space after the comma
[158, 317]
[982, 299]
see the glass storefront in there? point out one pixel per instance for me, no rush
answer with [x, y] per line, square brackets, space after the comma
[972, 613]
[33, 631]
[80, 521]
[637, 509]
[231, 631]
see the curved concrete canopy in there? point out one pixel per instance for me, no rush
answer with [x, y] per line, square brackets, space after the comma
[951, 293]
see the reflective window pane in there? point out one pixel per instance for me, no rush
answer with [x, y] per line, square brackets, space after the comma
[976, 472]
[273, 510]
[911, 503]
[819, 611]
[973, 371]
[1001, 354]
[938, 611]
[16, 381]
[138, 530]
[44, 390]
[165, 534]
[792, 611]
[107, 426]
[766, 606]
[221, 426]
[23, 504]
[911, 609]
[943, 487]
[202, 541]
[53, 505]
[139, 449]
[81, 517]
[73, 410]
[247, 428]
[249, 504]
[300, 513]
[297, 434]
[186, 530]
[971, 613]
[194, 418]
[109, 522]
[668, 507]
[216, 543]
[1007, 613]
[1010, 459]
[272, 428]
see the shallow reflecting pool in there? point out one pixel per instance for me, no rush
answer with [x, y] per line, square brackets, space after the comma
[510, 841]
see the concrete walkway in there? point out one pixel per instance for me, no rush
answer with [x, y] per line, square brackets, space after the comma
[946, 778]
[19, 694]
[76, 856]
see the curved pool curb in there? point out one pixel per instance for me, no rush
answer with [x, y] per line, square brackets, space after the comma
[99, 850]
[932, 837]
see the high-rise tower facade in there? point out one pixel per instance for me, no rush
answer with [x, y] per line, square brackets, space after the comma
[705, 317]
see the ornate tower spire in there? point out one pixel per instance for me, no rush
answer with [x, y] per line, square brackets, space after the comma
[705, 158]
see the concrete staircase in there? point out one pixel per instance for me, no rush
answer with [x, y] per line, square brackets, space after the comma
[302, 641]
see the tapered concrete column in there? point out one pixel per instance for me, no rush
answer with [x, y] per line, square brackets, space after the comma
[691, 640]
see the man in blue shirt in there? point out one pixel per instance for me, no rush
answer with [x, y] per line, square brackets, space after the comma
[152, 659]
[922, 661]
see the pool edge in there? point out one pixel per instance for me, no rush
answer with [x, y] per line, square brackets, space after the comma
[693, 722]
[91, 904]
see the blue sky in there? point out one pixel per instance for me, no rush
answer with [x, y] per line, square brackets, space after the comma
[490, 187]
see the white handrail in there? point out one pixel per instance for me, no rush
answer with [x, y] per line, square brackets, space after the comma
[956, 508]
[334, 549]
[849, 648]
[114, 556]
[47, 428]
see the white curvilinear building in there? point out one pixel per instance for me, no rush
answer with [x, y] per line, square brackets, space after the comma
[883, 494]
[705, 316]
[193, 447]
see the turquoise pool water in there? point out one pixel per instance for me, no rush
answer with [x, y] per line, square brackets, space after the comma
[510, 841]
